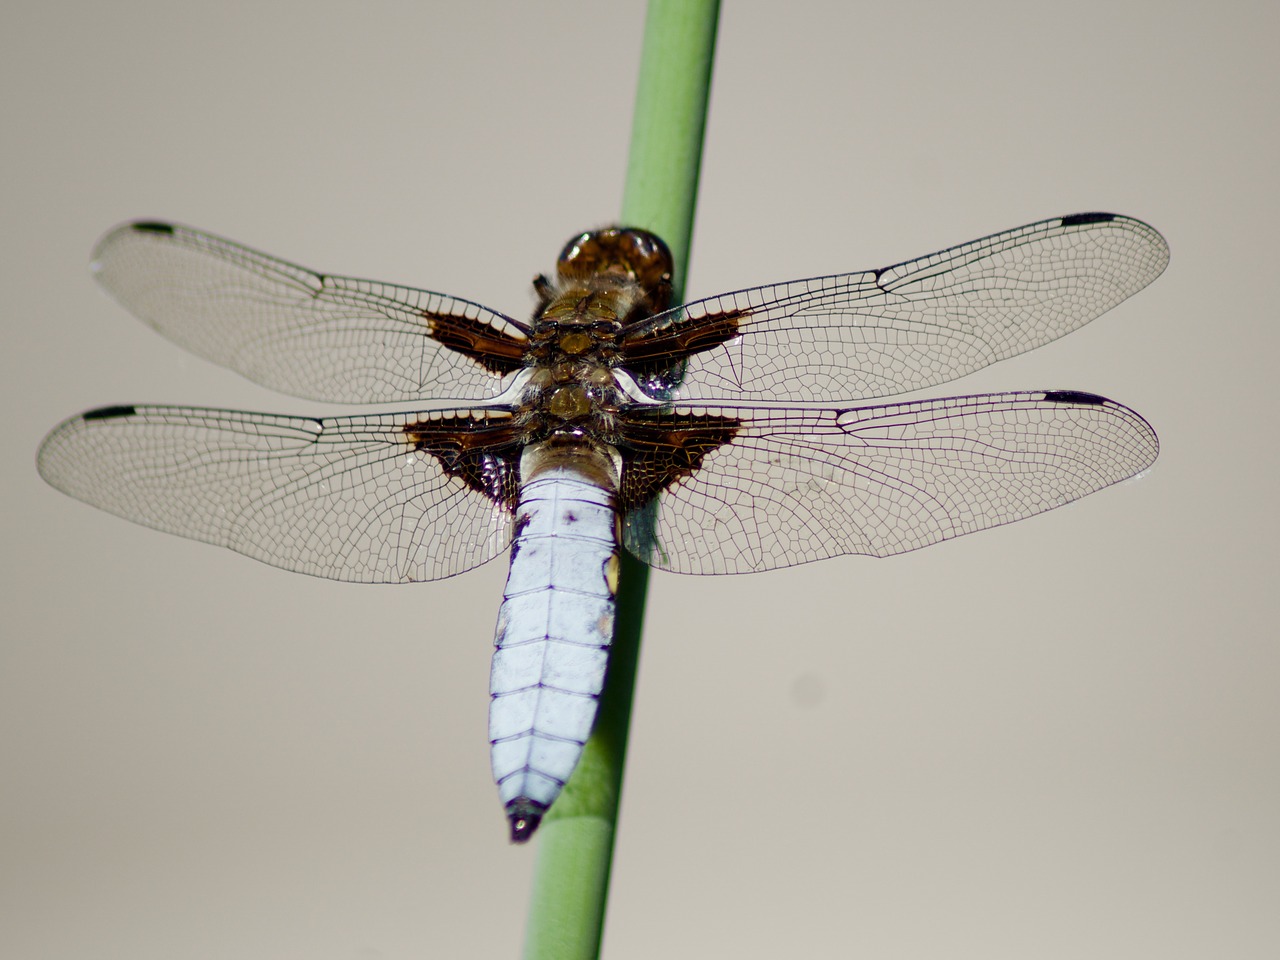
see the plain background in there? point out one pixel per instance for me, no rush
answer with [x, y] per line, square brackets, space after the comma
[1058, 739]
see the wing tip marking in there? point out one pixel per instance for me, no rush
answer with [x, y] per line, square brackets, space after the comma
[1084, 219]
[110, 413]
[152, 226]
[1075, 397]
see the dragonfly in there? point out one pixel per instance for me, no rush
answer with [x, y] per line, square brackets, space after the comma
[724, 435]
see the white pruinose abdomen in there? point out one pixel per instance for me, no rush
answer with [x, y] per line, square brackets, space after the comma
[555, 624]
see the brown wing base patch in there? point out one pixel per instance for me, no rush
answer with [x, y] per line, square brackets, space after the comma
[660, 450]
[482, 451]
[655, 351]
[498, 352]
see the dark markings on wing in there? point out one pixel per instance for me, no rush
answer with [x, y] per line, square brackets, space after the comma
[855, 336]
[1073, 396]
[797, 485]
[1084, 219]
[661, 450]
[348, 498]
[313, 335]
[657, 352]
[108, 413]
[497, 352]
[483, 453]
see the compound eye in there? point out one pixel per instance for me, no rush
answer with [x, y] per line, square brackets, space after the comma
[623, 252]
[577, 254]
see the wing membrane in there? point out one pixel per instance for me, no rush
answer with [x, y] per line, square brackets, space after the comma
[800, 485]
[864, 335]
[348, 498]
[312, 335]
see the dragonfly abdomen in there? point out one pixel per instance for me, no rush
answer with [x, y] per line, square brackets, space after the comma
[554, 627]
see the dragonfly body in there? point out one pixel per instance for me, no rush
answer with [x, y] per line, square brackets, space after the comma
[718, 436]
[555, 626]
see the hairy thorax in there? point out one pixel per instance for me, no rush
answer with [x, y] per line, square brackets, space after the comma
[606, 280]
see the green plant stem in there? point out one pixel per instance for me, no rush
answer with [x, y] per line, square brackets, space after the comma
[575, 840]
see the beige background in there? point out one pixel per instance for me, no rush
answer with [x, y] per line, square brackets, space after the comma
[1054, 740]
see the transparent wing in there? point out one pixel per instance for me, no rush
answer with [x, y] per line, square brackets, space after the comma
[325, 338]
[793, 486]
[857, 336]
[351, 498]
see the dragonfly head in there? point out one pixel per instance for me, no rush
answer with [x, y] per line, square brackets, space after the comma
[624, 253]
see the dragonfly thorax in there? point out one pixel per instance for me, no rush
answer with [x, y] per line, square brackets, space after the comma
[581, 397]
[606, 281]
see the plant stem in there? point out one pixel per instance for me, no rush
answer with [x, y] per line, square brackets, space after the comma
[575, 840]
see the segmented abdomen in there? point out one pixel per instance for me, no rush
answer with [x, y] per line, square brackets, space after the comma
[554, 630]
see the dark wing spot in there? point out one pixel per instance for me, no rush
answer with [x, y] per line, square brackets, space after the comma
[679, 336]
[660, 449]
[496, 351]
[1074, 396]
[109, 413]
[153, 226]
[656, 353]
[1083, 219]
[483, 452]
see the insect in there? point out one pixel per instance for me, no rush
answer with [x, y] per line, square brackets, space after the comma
[725, 435]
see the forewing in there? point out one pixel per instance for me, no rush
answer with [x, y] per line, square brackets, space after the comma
[376, 499]
[778, 487]
[312, 335]
[857, 336]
